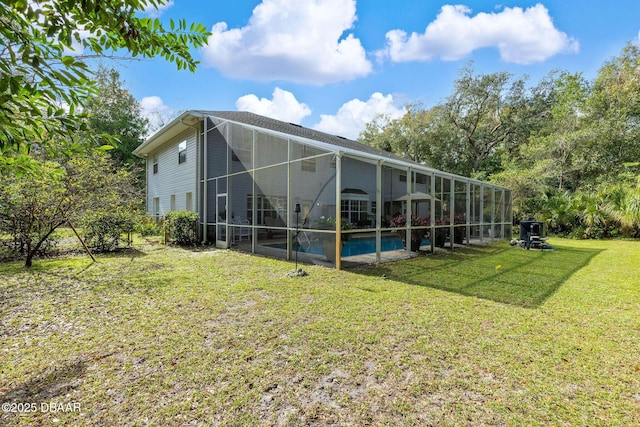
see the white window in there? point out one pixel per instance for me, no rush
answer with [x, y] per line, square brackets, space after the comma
[173, 202]
[269, 209]
[356, 212]
[308, 165]
[189, 201]
[156, 208]
[155, 164]
[182, 152]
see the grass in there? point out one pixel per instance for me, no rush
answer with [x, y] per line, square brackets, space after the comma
[484, 336]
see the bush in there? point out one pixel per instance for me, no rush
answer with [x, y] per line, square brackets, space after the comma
[181, 227]
[146, 226]
[104, 230]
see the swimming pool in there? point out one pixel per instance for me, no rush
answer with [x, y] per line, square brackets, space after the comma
[353, 246]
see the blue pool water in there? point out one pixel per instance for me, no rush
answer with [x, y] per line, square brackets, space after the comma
[352, 247]
[368, 245]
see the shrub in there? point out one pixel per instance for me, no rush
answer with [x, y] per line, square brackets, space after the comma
[146, 226]
[181, 227]
[104, 230]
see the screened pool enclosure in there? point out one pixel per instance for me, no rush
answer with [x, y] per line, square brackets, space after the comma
[276, 188]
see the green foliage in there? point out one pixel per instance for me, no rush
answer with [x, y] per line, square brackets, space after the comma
[553, 152]
[146, 226]
[610, 210]
[181, 227]
[103, 230]
[486, 116]
[45, 81]
[33, 206]
[614, 116]
[568, 148]
[475, 110]
[407, 136]
[114, 111]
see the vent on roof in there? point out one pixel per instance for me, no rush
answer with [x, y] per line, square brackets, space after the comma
[295, 124]
[341, 137]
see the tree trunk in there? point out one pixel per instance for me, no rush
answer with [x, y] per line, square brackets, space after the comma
[29, 261]
[31, 252]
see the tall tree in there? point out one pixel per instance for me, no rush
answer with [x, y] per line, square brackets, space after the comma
[486, 116]
[614, 115]
[553, 149]
[477, 110]
[112, 110]
[44, 80]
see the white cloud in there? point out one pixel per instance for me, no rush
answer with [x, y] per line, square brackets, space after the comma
[521, 36]
[303, 41]
[353, 115]
[283, 106]
[154, 12]
[154, 109]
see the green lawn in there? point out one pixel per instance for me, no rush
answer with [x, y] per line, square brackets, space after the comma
[164, 336]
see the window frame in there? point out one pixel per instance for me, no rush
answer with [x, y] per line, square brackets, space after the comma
[182, 152]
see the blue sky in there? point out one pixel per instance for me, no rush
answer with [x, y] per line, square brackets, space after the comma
[334, 64]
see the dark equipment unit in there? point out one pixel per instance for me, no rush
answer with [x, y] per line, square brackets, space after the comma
[531, 235]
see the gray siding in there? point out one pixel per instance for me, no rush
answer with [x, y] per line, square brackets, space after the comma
[172, 178]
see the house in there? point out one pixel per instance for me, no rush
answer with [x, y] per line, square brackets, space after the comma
[276, 188]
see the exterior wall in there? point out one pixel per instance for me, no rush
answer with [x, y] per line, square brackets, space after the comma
[172, 178]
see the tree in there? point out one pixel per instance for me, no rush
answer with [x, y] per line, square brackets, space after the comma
[44, 78]
[486, 116]
[613, 131]
[405, 136]
[477, 110]
[112, 110]
[33, 206]
[553, 149]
